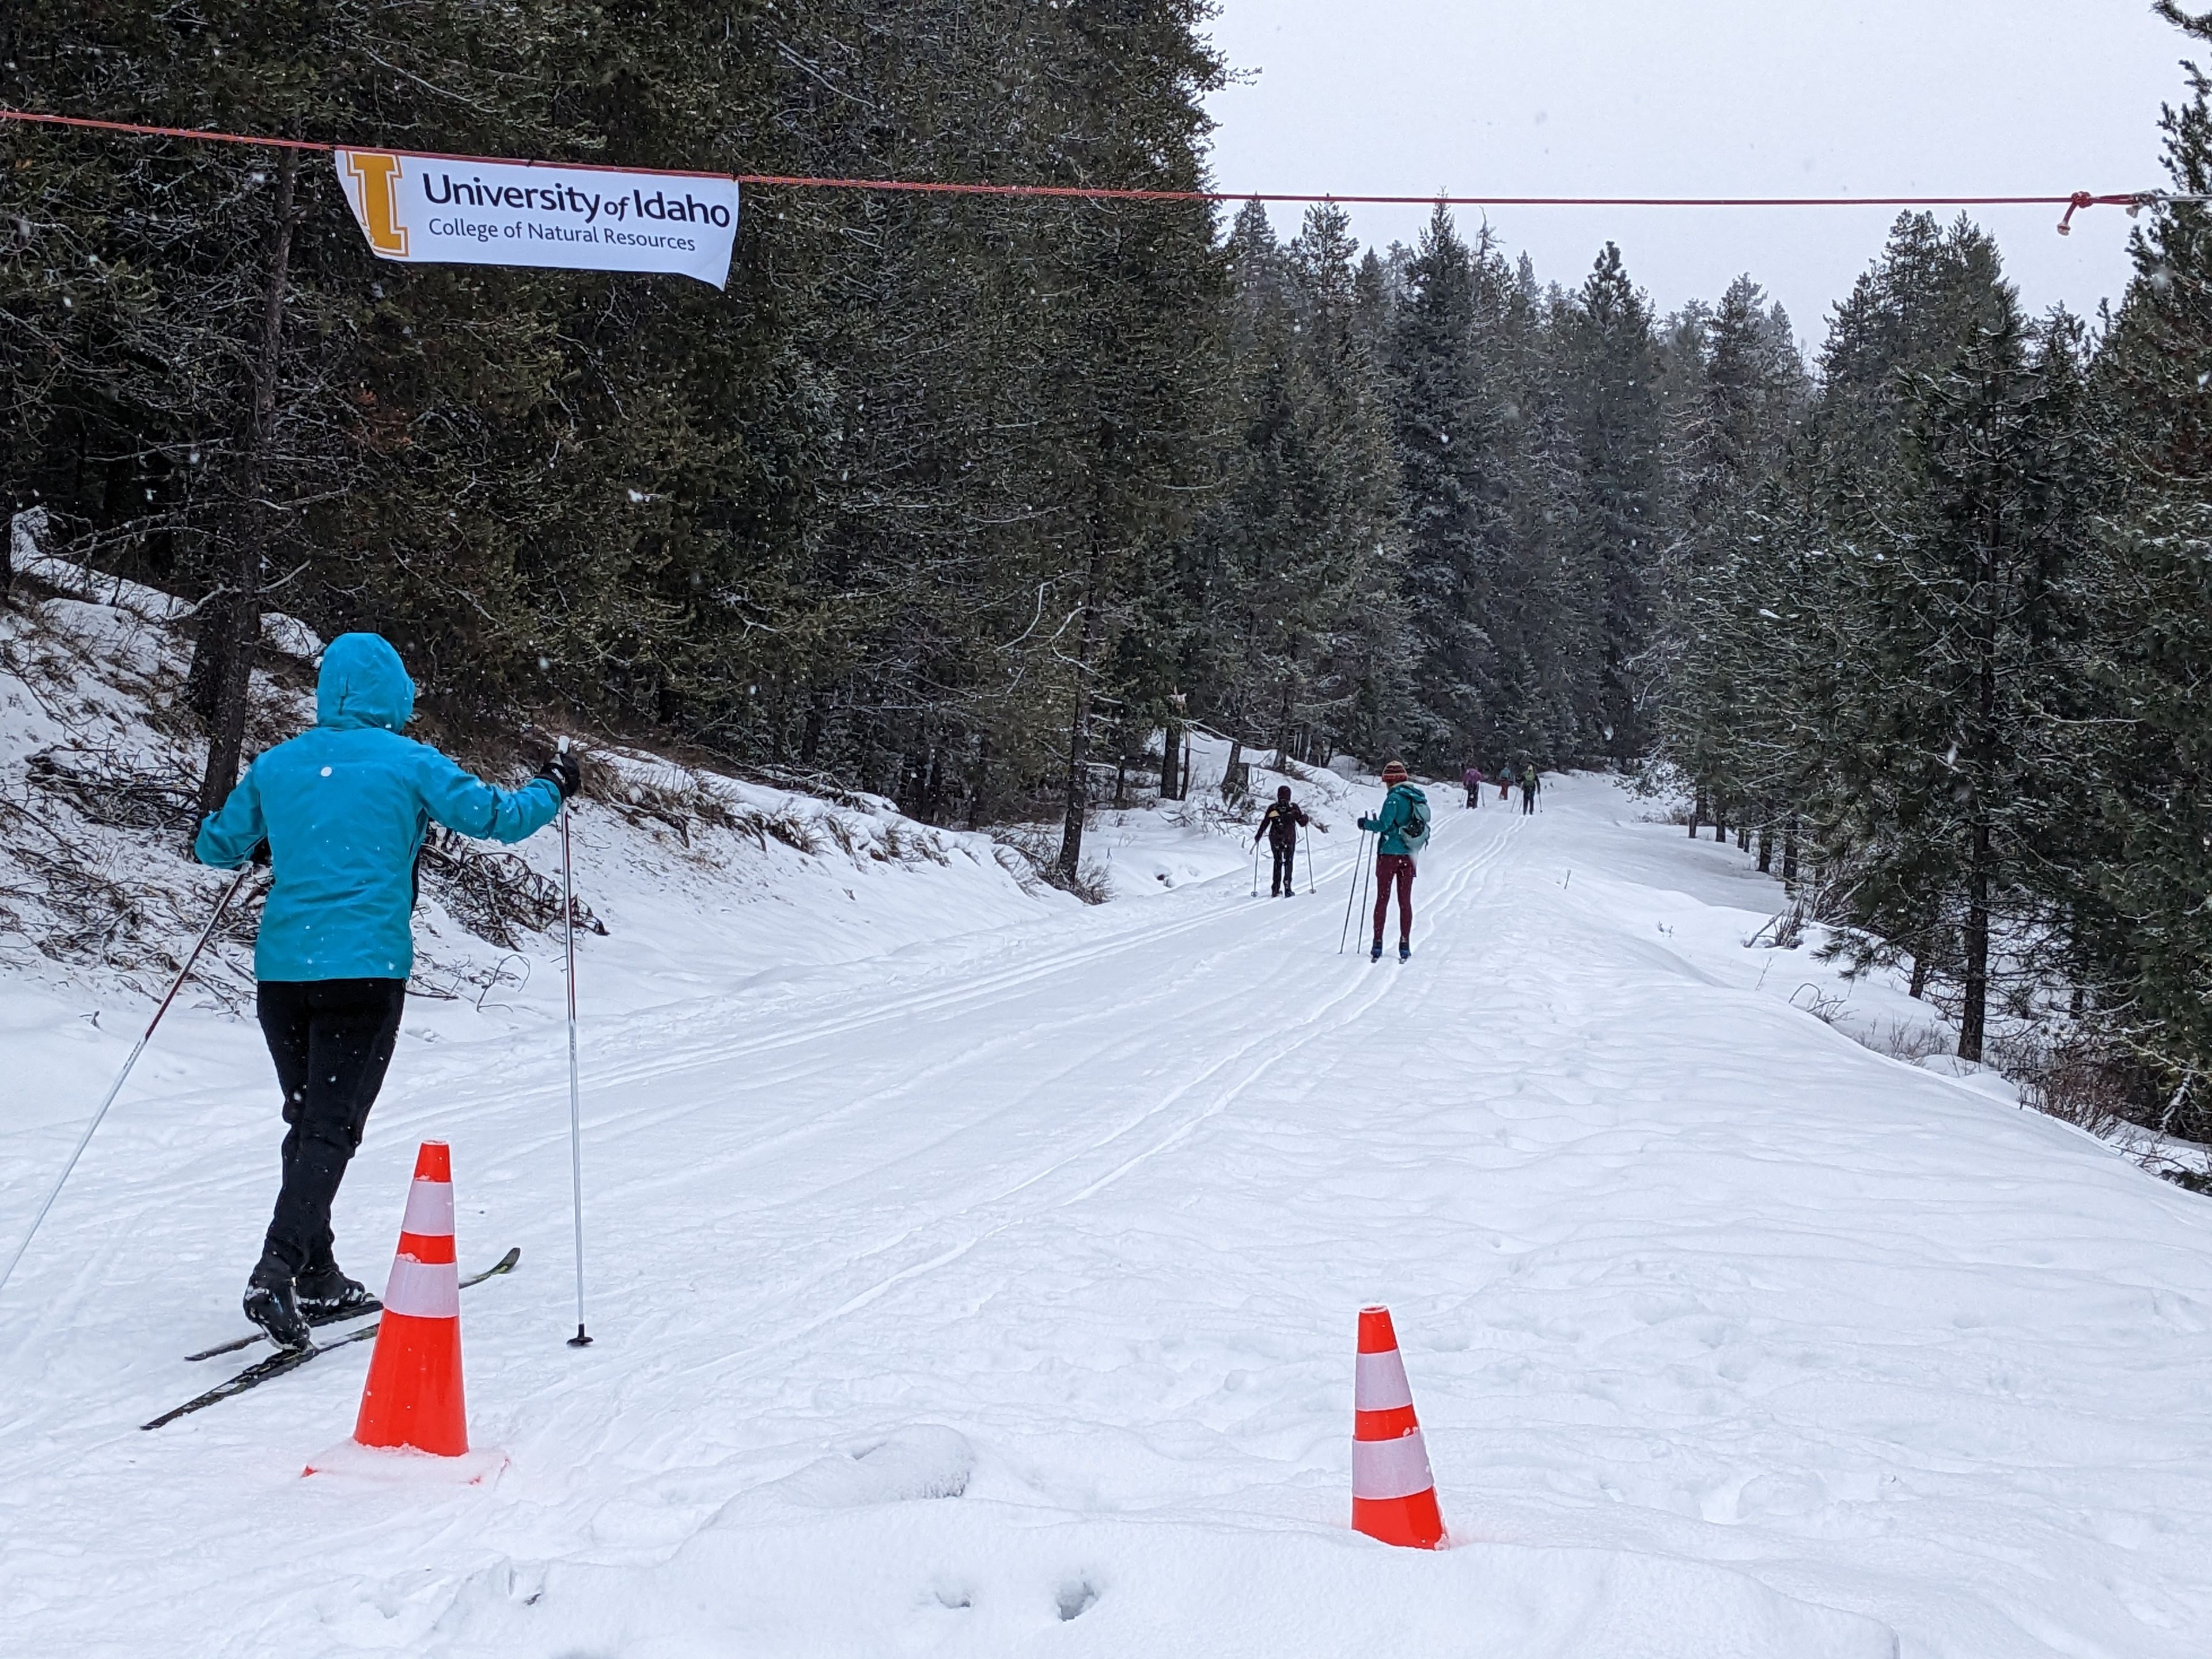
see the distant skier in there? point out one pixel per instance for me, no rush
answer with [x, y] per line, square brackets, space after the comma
[339, 813]
[1401, 830]
[1531, 785]
[1280, 823]
[1474, 780]
[1505, 781]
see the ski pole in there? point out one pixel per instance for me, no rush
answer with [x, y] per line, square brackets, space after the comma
[575, 1096]
[1256, 867]
[1367, 871]
[115, 1088]
[1352, 890]
[1310, 886]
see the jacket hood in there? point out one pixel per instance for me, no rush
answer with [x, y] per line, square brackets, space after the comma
[1413, 789]
[363, 683]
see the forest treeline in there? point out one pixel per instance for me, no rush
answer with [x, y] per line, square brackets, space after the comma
[972, 501]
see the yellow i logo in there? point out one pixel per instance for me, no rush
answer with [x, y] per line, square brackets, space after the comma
[373, 177]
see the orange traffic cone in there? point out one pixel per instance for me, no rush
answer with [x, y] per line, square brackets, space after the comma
[413, 1395]
[1393, 1497]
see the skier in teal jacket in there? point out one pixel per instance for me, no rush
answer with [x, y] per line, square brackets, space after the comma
[340, 812]
[1404, 811]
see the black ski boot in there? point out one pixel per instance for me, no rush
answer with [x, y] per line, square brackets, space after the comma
[273, 1304]
[1405, 951]
[1376, 955]
[325, 1294]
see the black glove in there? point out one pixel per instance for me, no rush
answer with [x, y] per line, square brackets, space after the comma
[259, 855]
[561, 771]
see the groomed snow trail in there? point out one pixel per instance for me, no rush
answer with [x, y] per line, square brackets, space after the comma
[999, 1299]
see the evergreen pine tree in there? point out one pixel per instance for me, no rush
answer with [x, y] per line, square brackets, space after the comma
[1445, 422]
[1939, 806]
[2142, 770]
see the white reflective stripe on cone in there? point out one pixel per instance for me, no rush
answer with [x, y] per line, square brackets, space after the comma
[426, 1290]
[429, 1209]
[1379, 1385]
[1390, 1468]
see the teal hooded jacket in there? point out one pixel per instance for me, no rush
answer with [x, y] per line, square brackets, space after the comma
[1397, 812]
[344, 807]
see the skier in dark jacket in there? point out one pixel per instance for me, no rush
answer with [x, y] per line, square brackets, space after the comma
[340, 812]
[1280, 823]
[1473, 778]
[1531, 785]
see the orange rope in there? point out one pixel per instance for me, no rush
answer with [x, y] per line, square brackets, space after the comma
[2073, 201]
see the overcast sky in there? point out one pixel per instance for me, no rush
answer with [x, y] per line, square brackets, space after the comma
[1709, 98]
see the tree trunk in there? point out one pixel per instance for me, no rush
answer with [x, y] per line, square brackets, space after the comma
[979, 781]
[810, 734]
[1170, 760]
[211, 650]
[1766, 848]
[1120, 781]
[1920, 971]
[1078, 728]
[1079, 776]
[1229, 772]
[1743, 838]
[237, 630]
[18, 516]
[932, 787]
[1789, 851]
[1972, 1018]
[1697, 813]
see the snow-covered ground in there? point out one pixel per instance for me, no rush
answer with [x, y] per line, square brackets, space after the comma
[975, 1273]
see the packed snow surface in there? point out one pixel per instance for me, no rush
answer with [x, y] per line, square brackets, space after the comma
[990, 1289]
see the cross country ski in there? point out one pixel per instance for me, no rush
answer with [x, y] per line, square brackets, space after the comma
[290, 1359]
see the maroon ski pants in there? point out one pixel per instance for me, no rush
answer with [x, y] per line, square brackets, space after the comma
[1393, 869]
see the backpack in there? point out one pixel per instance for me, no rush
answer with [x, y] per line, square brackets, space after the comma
[1415, 832]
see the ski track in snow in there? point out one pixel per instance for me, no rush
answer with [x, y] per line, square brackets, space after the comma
[996, 1296]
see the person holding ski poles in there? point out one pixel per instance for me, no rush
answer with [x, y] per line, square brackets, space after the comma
[1474, 780]
[1280, 823]
[1400, 831]
[339, 814]
[1505, 781]
[1531, 785]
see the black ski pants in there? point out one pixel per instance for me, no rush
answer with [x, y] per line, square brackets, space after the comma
[332, 1039]
[1286, 866]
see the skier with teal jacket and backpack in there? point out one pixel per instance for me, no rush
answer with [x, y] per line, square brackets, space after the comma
[1401, 832]
[339, 814]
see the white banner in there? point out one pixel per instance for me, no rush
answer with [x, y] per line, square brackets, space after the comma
[434, 210]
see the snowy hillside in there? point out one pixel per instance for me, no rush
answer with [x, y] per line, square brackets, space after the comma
[974, 1273]
[699, 881]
